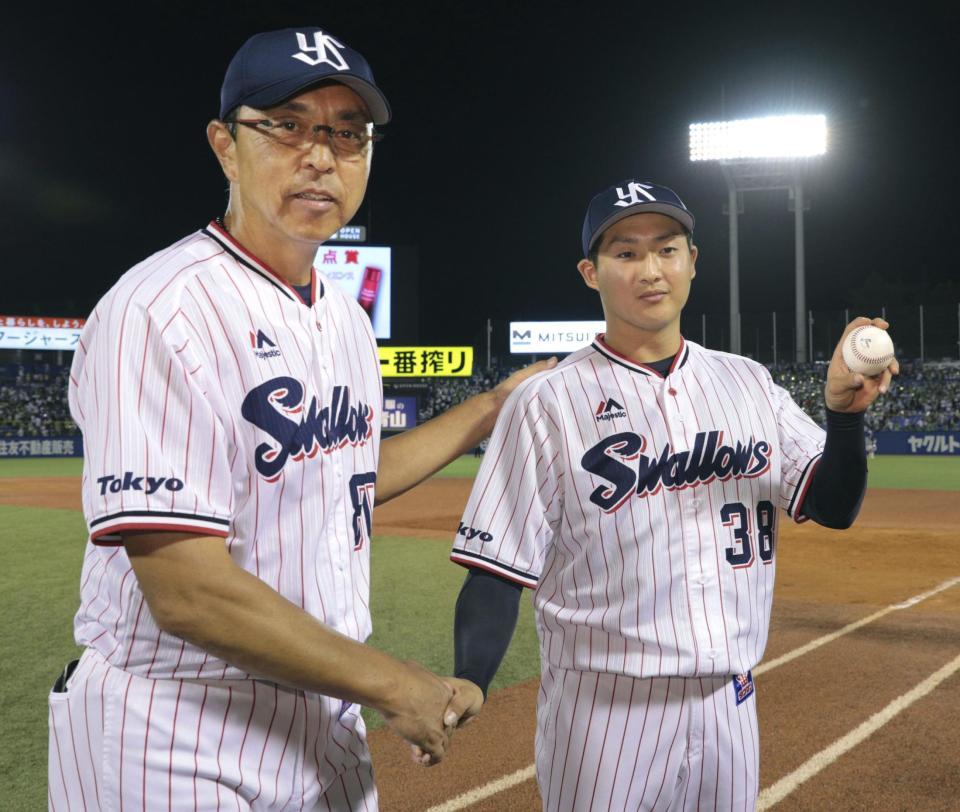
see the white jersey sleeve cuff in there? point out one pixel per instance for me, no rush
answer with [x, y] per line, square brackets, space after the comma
[794, 510]
[467, 559]
[108, 530]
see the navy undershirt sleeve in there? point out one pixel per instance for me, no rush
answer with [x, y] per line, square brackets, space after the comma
[483, 625]
[840, 479]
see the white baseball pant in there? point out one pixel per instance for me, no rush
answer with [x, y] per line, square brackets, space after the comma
[608, 741]
[119, 741]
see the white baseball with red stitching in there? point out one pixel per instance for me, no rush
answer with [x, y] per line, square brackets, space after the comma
[868, 350]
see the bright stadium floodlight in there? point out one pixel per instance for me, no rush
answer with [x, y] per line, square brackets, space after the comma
[762, 153]
[782, 137]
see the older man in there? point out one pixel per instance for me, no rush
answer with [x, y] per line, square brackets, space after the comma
[229, 399]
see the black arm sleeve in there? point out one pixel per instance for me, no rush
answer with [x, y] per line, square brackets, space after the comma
[485, 618]
[840, 480]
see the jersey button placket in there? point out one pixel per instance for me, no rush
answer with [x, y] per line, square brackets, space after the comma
[342, 545]
[338, 546]
[672, 416]
[693, 574]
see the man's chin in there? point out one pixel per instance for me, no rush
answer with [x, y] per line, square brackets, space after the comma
[314, 232]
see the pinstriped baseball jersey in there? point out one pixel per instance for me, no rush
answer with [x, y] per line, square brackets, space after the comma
[643, 509]
[213, 401]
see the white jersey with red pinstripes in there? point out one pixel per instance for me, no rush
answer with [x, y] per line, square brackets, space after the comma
[212, 400]
[643, 508]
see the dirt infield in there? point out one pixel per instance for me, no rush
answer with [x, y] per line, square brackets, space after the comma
[904, 545]
[49, 492]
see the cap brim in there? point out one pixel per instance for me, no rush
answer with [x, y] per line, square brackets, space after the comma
[682, 216]
[376, 102]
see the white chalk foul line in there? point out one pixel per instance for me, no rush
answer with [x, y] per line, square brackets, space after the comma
[780, 790]
[480, 793]
[474, 796]
[827, 638]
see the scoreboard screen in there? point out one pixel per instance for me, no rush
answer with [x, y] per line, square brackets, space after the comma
[362, 272]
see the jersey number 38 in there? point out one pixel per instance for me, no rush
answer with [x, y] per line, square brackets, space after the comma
[737, 516]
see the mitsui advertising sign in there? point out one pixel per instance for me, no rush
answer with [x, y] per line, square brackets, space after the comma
[534, 337]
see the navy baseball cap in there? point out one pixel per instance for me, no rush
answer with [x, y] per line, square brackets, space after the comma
[627, 198]
[275, 65]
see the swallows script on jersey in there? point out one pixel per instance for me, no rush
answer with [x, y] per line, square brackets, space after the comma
[619, 459]
[276, 407]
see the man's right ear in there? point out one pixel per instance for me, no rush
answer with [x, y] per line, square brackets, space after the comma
[589, 273]
[224, 146]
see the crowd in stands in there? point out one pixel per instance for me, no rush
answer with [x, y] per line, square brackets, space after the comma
[33, 399]
[442, 393]
[924, 397]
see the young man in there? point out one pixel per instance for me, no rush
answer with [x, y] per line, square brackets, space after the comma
[635, 488]
[229, 398]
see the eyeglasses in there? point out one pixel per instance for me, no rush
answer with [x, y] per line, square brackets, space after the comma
[346, 141]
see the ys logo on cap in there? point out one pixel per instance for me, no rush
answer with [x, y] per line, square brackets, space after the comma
[633, 194]
[326, 49]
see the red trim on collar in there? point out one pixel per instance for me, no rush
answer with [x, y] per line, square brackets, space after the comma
[261, 265]
[677, 359]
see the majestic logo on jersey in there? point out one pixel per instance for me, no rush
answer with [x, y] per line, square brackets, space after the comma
[276, 407]
[633, 194]
[619, 459]
[470, 533]
[609, 410]
[129, 482]
[259, 341]
[326, 48]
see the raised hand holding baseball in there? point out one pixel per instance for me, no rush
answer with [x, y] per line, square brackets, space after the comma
[867, 349]
[860, 370]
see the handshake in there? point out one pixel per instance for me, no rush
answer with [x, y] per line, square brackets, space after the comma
[425, 709]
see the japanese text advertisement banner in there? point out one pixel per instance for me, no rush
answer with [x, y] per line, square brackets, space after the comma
[399, 413]
[362, 272]
[39, 333]
[426, 362]
[918, 442]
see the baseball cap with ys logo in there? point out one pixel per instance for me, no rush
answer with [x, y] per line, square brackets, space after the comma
[275, 65]
[627, 198]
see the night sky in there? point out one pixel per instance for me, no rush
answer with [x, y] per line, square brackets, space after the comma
[507, 119]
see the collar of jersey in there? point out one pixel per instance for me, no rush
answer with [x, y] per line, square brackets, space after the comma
[608, 352]
[216, 232]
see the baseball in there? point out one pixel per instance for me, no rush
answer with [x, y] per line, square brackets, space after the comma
[868, 350]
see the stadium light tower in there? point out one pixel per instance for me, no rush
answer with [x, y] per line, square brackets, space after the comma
[756, 154]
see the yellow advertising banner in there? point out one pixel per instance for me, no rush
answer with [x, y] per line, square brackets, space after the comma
[426, 362]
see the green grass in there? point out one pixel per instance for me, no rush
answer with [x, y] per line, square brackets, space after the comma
[42, 555]
[463, 467]
[41, 466]
[933, 473]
